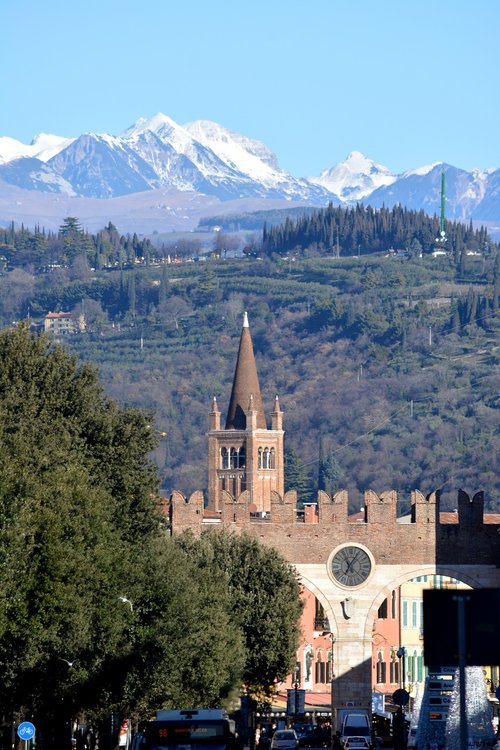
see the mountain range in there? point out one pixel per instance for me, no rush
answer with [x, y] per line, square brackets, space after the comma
[158, 175]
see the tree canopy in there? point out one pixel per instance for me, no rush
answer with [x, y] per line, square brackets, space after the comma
[100, 609]
[265, 595]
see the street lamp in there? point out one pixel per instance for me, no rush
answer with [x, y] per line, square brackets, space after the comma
[401, 654]
[127, 601]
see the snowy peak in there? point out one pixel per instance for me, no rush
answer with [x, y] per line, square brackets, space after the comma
[355, 177]
[158, 123]
[249, 156]
[42, 147]
[420, 171]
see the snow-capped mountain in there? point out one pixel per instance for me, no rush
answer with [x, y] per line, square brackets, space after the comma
[354, 178]
[42, 147]
[421, 189]
[202, 162]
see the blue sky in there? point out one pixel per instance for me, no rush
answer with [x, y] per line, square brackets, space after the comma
[406, 82]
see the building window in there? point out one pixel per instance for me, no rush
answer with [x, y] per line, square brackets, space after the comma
[381, 668]
[260, 458]
[329, 665]
[224, 458]
[272, 459]
[393, 605]
[394, 671]
[420, 668]
[414, 614]
[382, 611]
[319, 669]
[320, 619]
[405, 613]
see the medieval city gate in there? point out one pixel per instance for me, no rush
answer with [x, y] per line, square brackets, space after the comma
[351, 567]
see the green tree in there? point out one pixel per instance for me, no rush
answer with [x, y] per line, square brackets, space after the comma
[79, 527]
[296, 477]
[265, 594]
[330, 473]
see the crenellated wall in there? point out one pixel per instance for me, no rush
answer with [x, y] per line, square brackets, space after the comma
[418, 538]
[399, 550]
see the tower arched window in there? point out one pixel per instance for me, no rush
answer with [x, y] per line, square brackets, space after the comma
[272, 459]
[242, 457]
[266, 458]
[234, 458]
[260, 458]
[224, 455]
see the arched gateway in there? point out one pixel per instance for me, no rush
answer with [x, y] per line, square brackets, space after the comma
[351, 567]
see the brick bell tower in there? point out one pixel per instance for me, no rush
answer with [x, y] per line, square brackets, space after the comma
[245, 455]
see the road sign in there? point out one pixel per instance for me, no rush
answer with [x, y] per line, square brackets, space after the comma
[26, 730]
[401, 697]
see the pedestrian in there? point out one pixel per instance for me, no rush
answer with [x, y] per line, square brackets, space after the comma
[336, 743]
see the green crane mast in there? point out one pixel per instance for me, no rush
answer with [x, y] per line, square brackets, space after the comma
[442, 232]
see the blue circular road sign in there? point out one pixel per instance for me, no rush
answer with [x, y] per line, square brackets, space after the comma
[26, 730]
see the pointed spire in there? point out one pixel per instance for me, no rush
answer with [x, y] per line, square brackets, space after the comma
[215, 406]
[245, 385]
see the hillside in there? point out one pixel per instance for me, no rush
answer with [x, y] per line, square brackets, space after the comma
[386, 364]
[372, 364]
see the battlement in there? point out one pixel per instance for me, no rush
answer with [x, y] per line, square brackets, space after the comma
[378, 509]
[425, 532]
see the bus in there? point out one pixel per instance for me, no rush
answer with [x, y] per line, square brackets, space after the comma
[190, 729]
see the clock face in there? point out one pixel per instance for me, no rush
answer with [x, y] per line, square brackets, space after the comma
[351, 566]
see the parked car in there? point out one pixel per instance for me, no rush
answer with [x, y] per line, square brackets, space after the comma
[356, 743]
[285, 739]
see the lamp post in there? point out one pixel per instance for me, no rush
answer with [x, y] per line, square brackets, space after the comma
[400, 731]
[401, 654]
[332, 710]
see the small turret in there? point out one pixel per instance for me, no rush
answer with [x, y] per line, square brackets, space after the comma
[215, 416]
[277, 416]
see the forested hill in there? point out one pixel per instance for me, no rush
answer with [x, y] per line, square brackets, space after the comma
[362, 230]
[386, 366]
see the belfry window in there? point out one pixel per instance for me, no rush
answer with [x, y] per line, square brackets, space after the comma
[272, 459]
[234, 458]
[260, 459]
[224, 455]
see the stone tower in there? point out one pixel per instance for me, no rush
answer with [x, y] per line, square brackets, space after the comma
[245, 455]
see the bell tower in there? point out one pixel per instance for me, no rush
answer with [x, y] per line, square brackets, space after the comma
[245, 454]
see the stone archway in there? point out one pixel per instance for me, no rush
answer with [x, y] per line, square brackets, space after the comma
[353, 611]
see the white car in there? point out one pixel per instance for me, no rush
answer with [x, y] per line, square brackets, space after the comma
[356, 743]
[285, 739]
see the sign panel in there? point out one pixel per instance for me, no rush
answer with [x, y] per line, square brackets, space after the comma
[481, 615]
[296, 701]
[26, 730]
